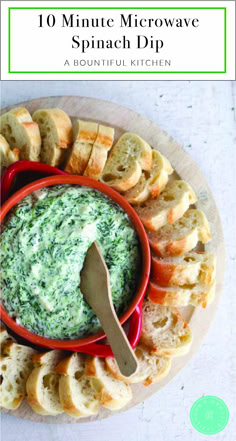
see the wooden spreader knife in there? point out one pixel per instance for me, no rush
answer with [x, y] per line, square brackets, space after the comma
[95, 287]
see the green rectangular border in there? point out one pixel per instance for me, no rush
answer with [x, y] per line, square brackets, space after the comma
[113, 72]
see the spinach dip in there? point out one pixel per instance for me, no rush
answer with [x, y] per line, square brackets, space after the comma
[44, 243]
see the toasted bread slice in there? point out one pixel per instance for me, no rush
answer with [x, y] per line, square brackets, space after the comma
[84, 135]
[151, 368]
[130, 155]
[182, 236]
[190, 268]
[170, 206]
[7, 156]
[196, 294]
[99, 153]
[56, 132]
[164, 332]
[21, 133]
[151, 182]
[43, 384]
[111, 393]
[76, 394]
[4, 338]
[15, 367]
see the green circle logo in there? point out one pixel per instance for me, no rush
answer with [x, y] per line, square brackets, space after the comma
[209, 415]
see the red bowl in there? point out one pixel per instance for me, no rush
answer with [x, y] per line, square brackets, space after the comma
[78, 344]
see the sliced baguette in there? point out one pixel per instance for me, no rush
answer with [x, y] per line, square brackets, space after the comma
[21, 133]
[7, 156]
[151, 182]
[111, 393]
[196, 294]
[190, 268]
[15, 367]
[99, 153]
[56, 132]
[182, 236]
[151, 368]
[123, 169]
[164, 332]
[43, 384]
[76, 394]
[4, 337]
[170, 206]
[84, 135]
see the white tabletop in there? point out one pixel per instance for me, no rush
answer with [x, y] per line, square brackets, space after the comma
[202, 117]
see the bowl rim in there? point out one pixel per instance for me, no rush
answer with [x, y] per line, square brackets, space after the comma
[144, 243]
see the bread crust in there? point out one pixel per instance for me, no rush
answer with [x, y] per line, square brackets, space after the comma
[196, 295]
[66, 399]
[173, 202]
[171, 324]
[52, 356]
[21, 114]
[98, 157]
[198, 267]
[105, 397]
[96, 163]
[61, 122]
[38, 393]
[145, 374]
[130, 155]
[177, 247]
[32, 386]
[78, 159]
[15, 367]
[4, 337]
[76, 395]
[168, 245]
[56, 131]
[152, 182]
[7, 156]
[22, 133]
[69, 398]
[105, 137]
[130, 181]
[8, 347]
[90, 367]
[63, 367]
[85, 134]
[32, 130]
[160, 374]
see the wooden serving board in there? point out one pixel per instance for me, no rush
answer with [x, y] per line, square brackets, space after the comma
[123, 119]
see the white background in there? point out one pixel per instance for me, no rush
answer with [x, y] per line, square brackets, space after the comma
[190, 49]
[202, 117]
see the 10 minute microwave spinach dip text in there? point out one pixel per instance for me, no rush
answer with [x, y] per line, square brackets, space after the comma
[44, 243]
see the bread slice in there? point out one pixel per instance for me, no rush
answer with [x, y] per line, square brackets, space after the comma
[190, 268]
[7, 156]
[76, 394]
[151, 182]
[130, 155]
[182, 236]
[56, 132]
[111, 393]
[43, 384]
[15, 367]
[164, 332]
[4, 338]
[151, 369]
[21, 133]
[99, 153]
[196, 294]
[170, 206]
[84, 135]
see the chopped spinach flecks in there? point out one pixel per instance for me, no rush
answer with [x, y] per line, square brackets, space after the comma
[43, 246]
